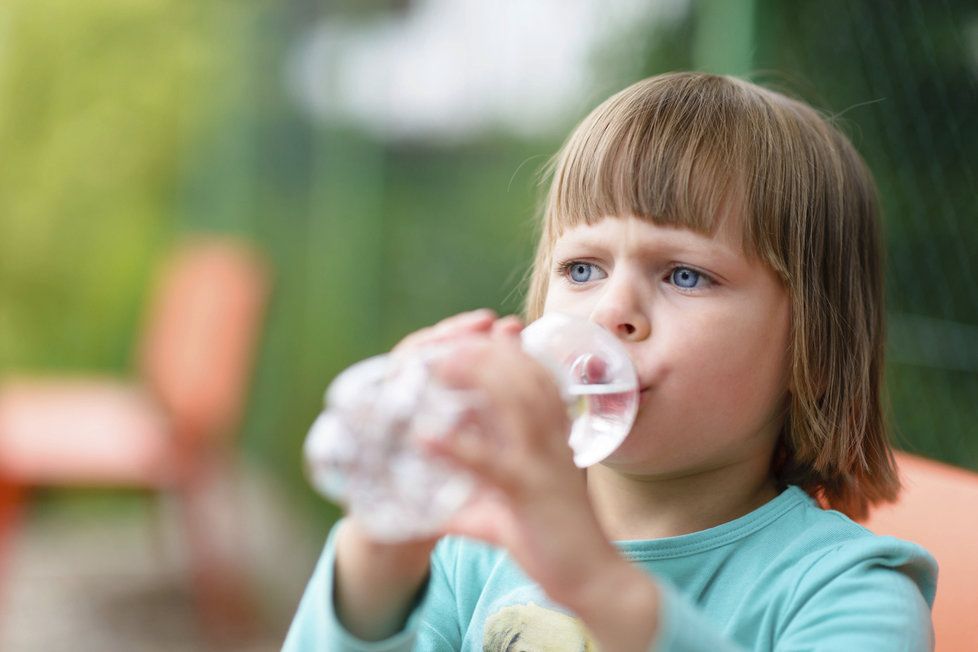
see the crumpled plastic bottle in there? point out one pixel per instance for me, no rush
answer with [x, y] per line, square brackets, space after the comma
[363, 450]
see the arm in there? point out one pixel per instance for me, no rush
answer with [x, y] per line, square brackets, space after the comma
[871, 595]
[377, 585]
[363, 590]
[317, 626]
[535, 504]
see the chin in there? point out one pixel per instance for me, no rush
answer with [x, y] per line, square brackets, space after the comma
[630, 455]
[645, 450]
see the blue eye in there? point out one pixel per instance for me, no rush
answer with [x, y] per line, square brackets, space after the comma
[686, 278]
[580, 272]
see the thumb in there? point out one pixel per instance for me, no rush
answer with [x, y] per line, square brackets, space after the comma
[486, 518]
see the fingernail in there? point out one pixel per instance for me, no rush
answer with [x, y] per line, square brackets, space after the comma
[481, 313]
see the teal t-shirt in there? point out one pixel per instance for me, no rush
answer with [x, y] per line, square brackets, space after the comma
[788, 576]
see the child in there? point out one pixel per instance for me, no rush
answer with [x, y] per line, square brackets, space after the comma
[729, 236]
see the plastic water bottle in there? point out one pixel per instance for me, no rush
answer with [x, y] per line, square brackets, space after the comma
[363, 451]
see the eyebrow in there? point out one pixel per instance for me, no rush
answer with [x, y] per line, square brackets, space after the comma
[668, 243]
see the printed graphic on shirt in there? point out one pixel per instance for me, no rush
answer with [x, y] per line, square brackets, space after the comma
[531, 628]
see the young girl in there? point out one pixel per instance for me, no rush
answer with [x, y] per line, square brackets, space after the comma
[728, 236]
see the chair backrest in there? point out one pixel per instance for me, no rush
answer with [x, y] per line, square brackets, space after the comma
[201, 332]
[939, 510]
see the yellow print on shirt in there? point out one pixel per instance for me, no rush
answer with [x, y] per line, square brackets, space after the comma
[530, 628]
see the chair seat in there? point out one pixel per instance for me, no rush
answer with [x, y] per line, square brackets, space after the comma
[936, 510]
[84, 431]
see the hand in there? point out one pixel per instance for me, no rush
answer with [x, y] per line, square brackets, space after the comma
[482, 322]
[534, 500]
[377, 583]
[515, 443]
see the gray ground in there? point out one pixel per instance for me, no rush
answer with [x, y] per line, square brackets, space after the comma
[81, 579]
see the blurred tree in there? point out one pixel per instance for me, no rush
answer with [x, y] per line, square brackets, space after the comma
[902, 79]
[100, 99]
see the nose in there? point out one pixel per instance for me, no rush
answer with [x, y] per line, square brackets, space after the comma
[621, 311]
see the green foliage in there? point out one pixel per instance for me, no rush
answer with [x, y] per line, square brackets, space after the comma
[902, 84]
[99, 101]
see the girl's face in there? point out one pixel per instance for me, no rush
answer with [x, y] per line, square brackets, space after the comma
[706, 326]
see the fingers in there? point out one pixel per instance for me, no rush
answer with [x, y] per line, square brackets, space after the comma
[487, 517]
[467, 323]
[509, 326]
[474, 323]
[480, 320]
[518, 436]
[473, 447]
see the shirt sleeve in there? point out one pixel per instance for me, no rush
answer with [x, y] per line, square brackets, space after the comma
[316, 627]
[873, 596]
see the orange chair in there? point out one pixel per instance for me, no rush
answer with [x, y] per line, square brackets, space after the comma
[169, 430]
[939, 510]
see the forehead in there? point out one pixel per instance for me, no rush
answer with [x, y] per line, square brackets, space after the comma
[631, 234]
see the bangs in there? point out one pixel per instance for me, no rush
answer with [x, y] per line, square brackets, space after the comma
[671, 153]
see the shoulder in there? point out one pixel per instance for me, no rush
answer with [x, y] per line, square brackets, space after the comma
[825, 530]
[829, 547]
[832, 581]
[847, 588]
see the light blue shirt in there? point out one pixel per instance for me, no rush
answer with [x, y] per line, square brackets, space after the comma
[788, 576]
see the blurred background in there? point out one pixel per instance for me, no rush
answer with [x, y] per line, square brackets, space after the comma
[379, 161]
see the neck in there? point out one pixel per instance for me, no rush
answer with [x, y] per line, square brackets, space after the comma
[630, 506]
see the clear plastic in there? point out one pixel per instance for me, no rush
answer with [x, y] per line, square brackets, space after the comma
[363, 451]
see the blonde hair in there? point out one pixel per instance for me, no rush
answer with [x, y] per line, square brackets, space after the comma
[677, 150]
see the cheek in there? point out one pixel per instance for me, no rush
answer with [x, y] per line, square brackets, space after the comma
[739, 365]
[752, 361]
[562, 300]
